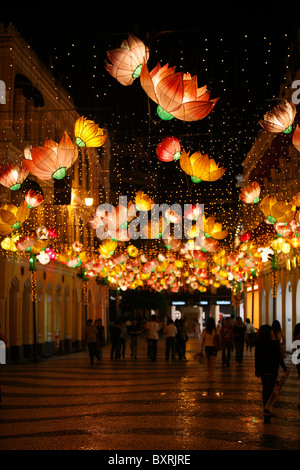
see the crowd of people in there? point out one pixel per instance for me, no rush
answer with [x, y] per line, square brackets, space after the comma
[231, 335]
[121, 332]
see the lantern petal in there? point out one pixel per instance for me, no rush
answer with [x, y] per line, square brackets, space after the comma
[296, 138]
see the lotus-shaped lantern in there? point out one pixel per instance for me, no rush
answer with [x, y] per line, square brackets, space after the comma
[176, 93]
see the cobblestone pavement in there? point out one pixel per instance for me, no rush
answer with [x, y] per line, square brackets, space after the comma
[64, 403]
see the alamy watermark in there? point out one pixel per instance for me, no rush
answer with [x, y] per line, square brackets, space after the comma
[2, 352]
[2, 92]
[296, 95]
[161, 221]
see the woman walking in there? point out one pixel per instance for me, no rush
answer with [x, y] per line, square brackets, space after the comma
[208, 342]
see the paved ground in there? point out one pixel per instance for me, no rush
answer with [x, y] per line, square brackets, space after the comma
[64, 403]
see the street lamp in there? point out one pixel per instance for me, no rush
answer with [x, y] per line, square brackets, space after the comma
[33, 268]
[274, 266]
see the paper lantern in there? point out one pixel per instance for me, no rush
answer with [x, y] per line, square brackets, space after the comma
[172, 243]
[276, 211]
[176, 93]
[192, 212]
[26, 243]
[12, 217]
[250, 194]
[142, 201]
[169, 149]
[245, 236]
[200, 167]
[88, 134]
[33, 199]
[132, 251]
[214, 229]
[107, 248]
[52, 160]
[127, 60]
[43, 257]
[280, 119]
[9, 243]
[296, 138]
[12, 176]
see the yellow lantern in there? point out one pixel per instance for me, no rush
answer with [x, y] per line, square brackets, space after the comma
[88, 134]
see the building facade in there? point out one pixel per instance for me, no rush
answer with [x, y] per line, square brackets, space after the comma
[34, 106]
[273, 161]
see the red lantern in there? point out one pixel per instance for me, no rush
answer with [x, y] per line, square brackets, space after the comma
[169, 149]
[245, 236]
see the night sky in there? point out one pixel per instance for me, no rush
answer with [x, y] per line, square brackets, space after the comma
[240, 55]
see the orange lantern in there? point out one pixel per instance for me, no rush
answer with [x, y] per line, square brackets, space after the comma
[12, 217]
[200, 167]
[280, 119]
[169, 149]
[176, 94]
[214, 229]
[276, 211]
[12, 176]
[52, 160]
[250, 194]
[126, 61]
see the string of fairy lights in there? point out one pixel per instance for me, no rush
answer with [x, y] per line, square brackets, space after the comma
[243, 80]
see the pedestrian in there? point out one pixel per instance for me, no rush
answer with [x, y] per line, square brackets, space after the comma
[100, 339]
[268, 358]
[250, 334]
[181, 338]
[134, 331]
[90, 338]
[240, 335]
[115, 334]
[227, 341]
[152, 328]
[296, 353]
[170, 331]
[277, 335]
[208, 345]
[3, 338]
[123, 338]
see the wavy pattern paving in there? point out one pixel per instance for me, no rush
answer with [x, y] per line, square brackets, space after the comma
[65, 404]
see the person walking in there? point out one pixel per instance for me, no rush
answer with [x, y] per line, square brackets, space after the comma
[240, 335]
[123, 338]
[100, 338]
[152, 328]
[208, 345]
[268, 358]
[250, 330]
[170, 331]
[134, 331]
[278, 336]
[90, 338]
[227, 341]
[115, 334]
[181, 338]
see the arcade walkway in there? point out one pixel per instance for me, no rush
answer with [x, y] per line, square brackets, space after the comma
[64, 403]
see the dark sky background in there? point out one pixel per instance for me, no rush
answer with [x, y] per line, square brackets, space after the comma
[240, 54]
